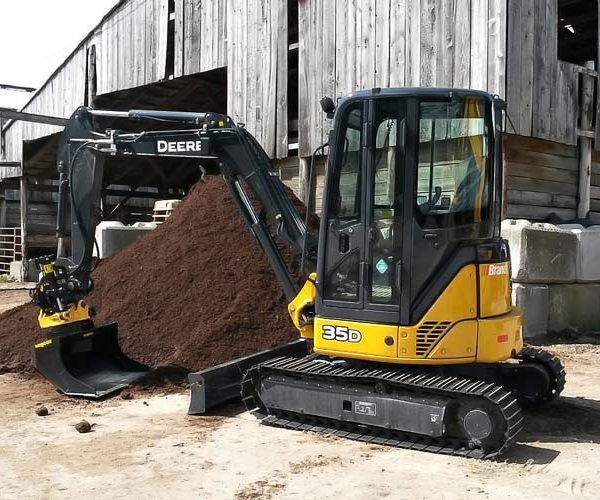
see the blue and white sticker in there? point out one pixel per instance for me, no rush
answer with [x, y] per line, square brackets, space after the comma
[381, 266]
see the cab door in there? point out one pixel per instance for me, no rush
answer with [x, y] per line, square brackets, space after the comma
[360, 270]
[342, 264]
[385, 211]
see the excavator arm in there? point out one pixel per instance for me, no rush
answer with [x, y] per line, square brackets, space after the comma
[221, 148]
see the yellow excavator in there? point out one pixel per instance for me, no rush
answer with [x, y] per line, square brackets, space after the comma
[408, 335]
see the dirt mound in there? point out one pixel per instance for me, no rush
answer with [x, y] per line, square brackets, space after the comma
[195, 292]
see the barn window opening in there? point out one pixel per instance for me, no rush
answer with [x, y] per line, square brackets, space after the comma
[170, 62]
[577, 31]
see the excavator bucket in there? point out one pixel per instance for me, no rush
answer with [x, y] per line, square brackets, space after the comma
[222, 383]
[88, 364]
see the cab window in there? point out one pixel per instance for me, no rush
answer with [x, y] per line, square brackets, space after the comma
[453, 181]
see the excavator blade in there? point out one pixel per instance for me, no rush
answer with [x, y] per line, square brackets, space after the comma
[222, 383]
[88, 364]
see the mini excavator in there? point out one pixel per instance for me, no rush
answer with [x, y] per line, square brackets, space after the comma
[408, 335]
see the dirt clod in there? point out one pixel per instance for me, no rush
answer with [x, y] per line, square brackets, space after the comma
[83, 427]
[126, 395]
[195, 292]
[41, 411]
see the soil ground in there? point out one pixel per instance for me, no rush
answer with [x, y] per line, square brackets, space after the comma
[13, 295]
[147, 447]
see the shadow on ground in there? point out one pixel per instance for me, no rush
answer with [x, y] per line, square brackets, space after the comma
[566, 420]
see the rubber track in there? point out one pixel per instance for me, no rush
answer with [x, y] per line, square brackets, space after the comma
[552, 363]
[413, 380]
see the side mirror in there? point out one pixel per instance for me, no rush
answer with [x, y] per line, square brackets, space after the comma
[328, 106]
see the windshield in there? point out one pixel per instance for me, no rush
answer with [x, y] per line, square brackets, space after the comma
[453, 182]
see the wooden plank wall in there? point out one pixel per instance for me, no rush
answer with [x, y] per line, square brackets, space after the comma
[542, 92]
[394, 43]
[131, 45]
[131, 51]
[595, 188]
[257, 49]
[541, 178]
[58, 97]
[200, 35]
[288, 171]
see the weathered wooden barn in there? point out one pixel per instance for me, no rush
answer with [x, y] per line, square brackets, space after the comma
[267, 63]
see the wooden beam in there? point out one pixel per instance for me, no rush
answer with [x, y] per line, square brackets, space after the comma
[91, 80]
[23, 204]
[587, 71]
[585, 143]
[3, 207]
[13, 114]
[50, 188]
[304, 174]
[590, 134]
[18, 88]
[597, 142]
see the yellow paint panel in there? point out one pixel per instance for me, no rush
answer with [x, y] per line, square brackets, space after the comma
[371, 340]
[494, 286]
[459, 342]
[297, 307]
[499, 337]
[458, 301]
[76, 312]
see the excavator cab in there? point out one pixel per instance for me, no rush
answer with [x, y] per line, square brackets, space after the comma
[411, 216]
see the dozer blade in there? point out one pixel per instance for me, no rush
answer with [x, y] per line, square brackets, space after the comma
[88, 364]
[222, 383]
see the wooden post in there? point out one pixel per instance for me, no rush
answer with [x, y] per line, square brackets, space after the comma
[585, 143]
[2, 206]
[91, 83]
[23, 200]
[304, 176]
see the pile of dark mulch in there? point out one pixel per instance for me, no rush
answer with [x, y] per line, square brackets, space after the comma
[196, 292]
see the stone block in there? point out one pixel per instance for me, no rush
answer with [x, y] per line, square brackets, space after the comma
[534, 302]
[112, 236]
[588, 251]
[574, 307]
[21, 273]
[540, 252]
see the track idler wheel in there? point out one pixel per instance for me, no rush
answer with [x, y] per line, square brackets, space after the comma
[553, 366]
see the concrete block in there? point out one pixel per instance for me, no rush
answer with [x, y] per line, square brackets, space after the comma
[147, 225]
[112, 236]
[540, 252]
[574, 307]
[588, 251]
[21, 273]
[16, 270]
[533, 300]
